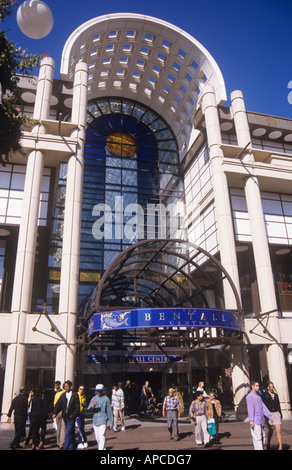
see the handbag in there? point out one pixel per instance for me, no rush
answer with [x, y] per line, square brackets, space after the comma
[211, 427]
[194, 417]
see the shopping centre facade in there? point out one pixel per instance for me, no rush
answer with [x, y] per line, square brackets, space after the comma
[146, 227]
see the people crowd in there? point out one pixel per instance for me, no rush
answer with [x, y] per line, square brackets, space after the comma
[108, 410]
[264, 408]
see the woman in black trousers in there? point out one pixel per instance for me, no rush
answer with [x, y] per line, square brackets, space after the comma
[38, 418]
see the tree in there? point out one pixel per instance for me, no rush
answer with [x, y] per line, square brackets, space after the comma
[14, 63]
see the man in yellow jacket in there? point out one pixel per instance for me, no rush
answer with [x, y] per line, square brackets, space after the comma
[80, 423]
[58, 421]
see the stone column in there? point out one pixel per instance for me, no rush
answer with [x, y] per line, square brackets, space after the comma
[240, 377]
[26, 248]
[268, 302]
[68, 302]
[221, 193]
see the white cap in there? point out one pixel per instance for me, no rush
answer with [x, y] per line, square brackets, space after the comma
[99, 387]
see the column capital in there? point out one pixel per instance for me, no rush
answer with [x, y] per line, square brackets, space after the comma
[240, 120]
[47, 61]
[208, 98]
[236, 94]
[81, 66]
[44, 90]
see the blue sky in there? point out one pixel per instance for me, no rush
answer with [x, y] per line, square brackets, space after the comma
[250, 40]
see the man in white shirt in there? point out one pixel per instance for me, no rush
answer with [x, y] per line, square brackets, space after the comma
[118, 405]
[69, 405]
[171, 407]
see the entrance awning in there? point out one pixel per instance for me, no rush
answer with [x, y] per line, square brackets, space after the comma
[140, 318]
[164, 290]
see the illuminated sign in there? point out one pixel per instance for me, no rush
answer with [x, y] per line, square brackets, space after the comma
[166, 318]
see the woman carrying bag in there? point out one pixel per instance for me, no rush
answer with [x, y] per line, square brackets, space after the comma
[198, 413]
[214, 410]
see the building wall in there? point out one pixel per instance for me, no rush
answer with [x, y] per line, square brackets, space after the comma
[220, 183]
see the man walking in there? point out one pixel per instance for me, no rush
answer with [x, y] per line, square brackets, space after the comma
[20, 407]
[171, 406]
[69, 404]
[118, 405]
[58, 421]
[80, 420]
[257, 411]
[102, 413]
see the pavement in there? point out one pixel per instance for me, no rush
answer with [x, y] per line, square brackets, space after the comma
[144, 433]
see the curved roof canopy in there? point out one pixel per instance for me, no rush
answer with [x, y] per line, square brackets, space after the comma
[163, 274]
[146, 59]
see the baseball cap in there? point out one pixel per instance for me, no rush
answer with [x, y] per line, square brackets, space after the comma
[99, 387]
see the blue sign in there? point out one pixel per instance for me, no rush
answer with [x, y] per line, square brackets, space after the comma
[136, 359]
[166, 318]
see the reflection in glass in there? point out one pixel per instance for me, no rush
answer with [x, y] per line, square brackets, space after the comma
[121, 144]
[126, 143]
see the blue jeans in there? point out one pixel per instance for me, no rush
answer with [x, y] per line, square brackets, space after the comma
[143, 402]
[80, 428]
[70, 443]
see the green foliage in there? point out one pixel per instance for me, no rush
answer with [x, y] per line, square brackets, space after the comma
[14, 62]
[6, 8]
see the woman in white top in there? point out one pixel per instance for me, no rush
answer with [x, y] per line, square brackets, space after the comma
[201, 389]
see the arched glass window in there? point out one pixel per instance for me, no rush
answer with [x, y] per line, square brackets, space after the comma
[131, 174]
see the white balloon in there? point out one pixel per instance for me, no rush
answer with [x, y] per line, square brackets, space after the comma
[35, 19]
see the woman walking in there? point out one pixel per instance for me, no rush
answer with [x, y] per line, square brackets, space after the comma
[179, 395]
[198, 413]
[38, 418]
[201, 389]
[272, 402]
[214, 410]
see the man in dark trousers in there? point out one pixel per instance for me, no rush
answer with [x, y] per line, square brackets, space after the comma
[69, 404]
[20, 407]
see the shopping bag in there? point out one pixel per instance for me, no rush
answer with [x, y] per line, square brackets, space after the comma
[211, 427]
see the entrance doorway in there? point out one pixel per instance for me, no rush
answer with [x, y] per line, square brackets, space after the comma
[137, 380]
[154, 379]
[45, 378]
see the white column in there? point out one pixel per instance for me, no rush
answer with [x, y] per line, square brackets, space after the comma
[266, 286]
[25, 258]
[68, 302]
[240, 377]
[221, 194]
[255, 211]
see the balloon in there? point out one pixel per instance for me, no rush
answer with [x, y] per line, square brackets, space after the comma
[35, 19]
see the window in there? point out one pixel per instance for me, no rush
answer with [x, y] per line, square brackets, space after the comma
[131, 158]
[12, 180]
[2, 257]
